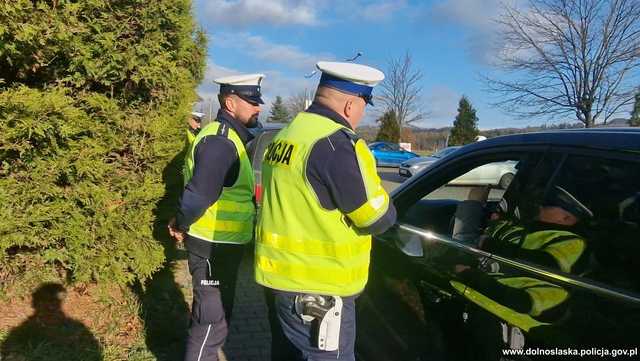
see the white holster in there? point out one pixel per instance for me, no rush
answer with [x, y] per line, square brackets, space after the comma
[327, 312]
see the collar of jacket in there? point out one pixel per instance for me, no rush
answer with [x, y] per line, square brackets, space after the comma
[317, 108]
[243, 133]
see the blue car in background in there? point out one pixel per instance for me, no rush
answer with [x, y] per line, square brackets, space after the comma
[390, 154]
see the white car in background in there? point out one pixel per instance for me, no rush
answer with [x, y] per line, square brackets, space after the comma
[495, 174]
[498, 174]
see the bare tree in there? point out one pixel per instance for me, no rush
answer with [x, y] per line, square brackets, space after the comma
[299, 102]
[401, 90]
[569, 57]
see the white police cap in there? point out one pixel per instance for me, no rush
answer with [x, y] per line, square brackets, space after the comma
[197, 115]
[246, 86]
[351, 78]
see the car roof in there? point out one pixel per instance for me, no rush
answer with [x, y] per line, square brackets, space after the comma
[621, 139]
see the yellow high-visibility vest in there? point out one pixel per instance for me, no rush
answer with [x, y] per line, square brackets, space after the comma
[544, 296]
[231, 218]
[301, 246]
[565, 247]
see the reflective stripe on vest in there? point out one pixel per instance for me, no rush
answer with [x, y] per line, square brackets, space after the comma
[231, 218]
[565, 247]
[300, 246]
[544, 296]
[378, 199]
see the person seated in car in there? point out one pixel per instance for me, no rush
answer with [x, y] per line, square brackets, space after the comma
[550, 239]
[522, 302]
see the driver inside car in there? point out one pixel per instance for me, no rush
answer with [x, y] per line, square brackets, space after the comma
[521, 302]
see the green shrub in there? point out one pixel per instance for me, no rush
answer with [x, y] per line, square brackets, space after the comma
[92, 101]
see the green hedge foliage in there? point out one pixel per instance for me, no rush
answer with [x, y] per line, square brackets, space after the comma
[93, 97]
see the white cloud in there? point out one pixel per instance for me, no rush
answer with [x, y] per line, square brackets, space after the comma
[216, 71]
[477, 14]
[382, 11]
[477, 17]
[208, 89]
[241, 13]
[246, 13]
[365, 10]
[263, 49]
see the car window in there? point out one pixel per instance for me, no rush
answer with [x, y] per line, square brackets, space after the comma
[584, 210]
[384, 147]
[571, 214]
[560, 214]
[434, 211]
[495, 175]
[606, 201]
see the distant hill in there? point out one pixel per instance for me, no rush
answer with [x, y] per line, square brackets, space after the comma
[436, 138]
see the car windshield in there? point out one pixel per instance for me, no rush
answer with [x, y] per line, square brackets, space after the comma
[444, 152]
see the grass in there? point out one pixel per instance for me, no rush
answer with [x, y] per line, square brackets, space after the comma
[107, 323]
[54, 321]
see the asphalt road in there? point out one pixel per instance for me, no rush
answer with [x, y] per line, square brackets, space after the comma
[390, 178]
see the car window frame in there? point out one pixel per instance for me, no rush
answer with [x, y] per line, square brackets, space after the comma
[549, 274]
[433, 177]
[436, 176]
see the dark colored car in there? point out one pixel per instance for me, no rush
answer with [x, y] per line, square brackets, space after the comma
[263, 134]
[416, 305]
[390, 154]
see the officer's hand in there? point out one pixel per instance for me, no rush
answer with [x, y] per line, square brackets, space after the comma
[459, 268]
[174, 232]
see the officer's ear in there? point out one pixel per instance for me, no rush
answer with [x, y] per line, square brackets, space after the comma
[227, 102]
[348, 108]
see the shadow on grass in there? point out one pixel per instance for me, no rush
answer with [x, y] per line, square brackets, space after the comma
[163, 307]
[49, 334]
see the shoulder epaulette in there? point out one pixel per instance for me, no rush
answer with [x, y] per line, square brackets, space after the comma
[223, 130]
[351, 135]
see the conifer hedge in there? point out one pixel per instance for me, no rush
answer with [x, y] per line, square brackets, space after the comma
[93, 97]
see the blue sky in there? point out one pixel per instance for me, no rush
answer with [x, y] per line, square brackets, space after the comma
[449, 41]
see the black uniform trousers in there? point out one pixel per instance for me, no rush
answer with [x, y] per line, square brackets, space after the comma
[214, 283]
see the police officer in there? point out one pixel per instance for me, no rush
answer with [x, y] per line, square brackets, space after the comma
[195, 124]
[217, 211]
[524, 303]
[322, 201]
